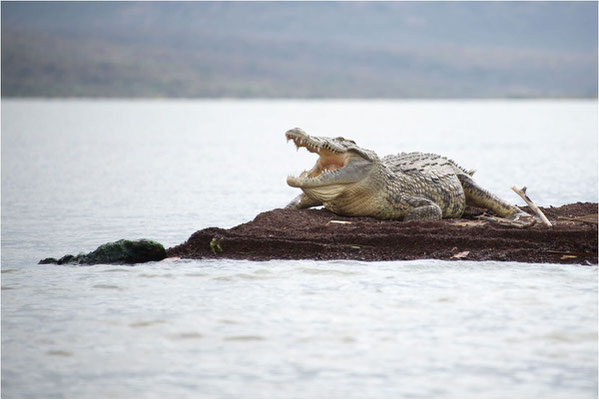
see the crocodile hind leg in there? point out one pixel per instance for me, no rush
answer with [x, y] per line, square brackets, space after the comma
[303, 201]
[479, 197]
[423, 209]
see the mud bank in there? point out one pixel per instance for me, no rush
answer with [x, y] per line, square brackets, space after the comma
[321, 235]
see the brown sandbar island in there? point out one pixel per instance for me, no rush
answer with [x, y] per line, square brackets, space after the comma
[322, 235]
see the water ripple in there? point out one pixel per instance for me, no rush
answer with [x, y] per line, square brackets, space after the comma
[320, 271]
[103, 286]
[61, 353]
[143, 324]
[189, 335]
[247, 338]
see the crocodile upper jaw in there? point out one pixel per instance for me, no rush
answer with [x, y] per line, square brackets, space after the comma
[336, 164]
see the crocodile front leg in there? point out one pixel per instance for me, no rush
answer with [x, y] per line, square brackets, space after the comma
[303, 201]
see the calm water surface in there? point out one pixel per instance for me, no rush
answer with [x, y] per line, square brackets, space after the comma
[76, 174]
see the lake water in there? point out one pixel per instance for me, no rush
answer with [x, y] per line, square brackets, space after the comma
[79, 173]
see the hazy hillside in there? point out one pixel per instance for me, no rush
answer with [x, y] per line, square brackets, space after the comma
[295, 49]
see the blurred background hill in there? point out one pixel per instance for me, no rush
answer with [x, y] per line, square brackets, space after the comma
[296, 49]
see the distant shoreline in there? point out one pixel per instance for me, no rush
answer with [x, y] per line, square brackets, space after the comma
[300, 49]
[381, 99]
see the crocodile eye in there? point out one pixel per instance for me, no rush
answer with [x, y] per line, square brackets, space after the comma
[340, 138]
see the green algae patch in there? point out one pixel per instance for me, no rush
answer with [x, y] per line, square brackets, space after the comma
[120, 252]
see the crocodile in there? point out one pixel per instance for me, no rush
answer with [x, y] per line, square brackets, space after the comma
[350, 180]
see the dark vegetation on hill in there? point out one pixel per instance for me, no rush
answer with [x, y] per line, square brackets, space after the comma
[296, 49]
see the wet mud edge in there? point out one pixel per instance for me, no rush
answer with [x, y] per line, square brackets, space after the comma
[321, 235]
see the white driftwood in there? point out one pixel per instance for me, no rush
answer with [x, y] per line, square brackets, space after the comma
[506, 222]
[334, 221]
[533, 206]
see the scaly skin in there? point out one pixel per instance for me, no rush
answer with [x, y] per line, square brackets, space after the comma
[350, 180]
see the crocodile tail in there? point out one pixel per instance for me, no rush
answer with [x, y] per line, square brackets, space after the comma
[479, 197]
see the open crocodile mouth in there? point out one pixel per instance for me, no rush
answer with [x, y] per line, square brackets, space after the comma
[329, 160]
